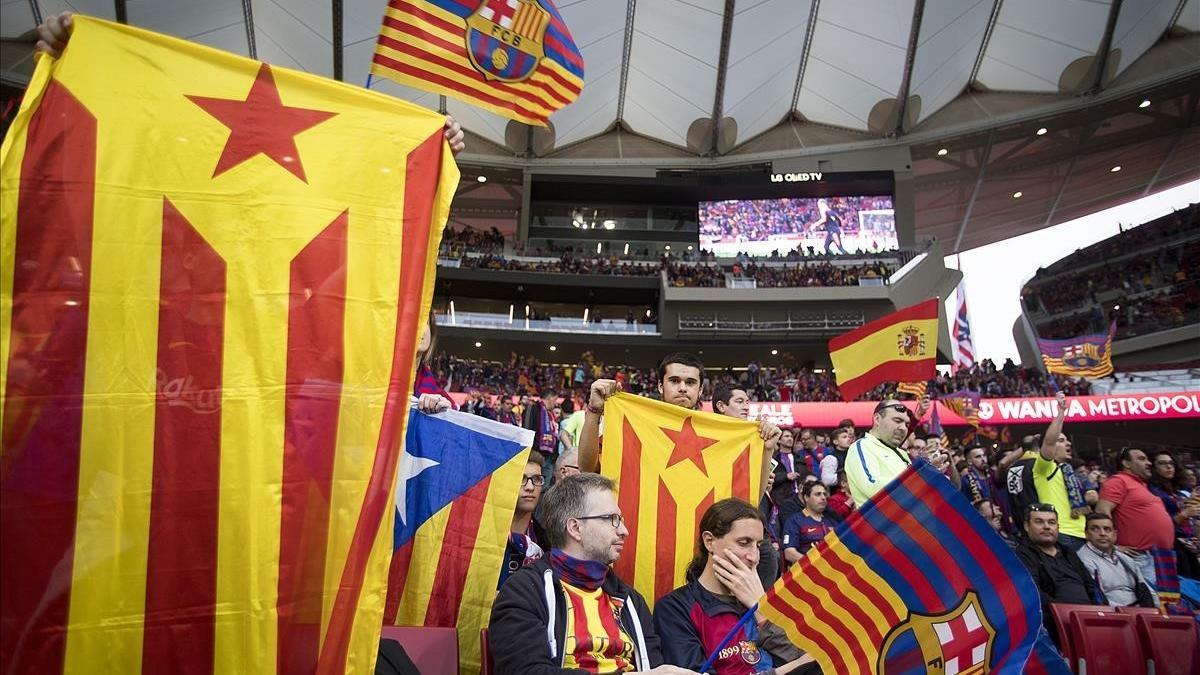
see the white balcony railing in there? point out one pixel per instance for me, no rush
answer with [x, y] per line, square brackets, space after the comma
[551, 325]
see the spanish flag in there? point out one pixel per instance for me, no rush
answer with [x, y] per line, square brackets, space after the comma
[515, 58]
[213, 274]
[901, 346]
[914, 581]
[670, 464]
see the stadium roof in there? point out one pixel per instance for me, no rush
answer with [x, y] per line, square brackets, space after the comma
[678, 83]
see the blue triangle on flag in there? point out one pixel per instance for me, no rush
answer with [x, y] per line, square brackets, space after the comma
[445, 456]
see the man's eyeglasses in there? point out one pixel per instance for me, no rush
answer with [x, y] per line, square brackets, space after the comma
[538, 480]
[898, 407]
[614, 519]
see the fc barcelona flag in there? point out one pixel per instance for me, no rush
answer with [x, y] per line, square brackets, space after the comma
[515, 58]
[1083, 356]
[915, 581]
[670, 464]
[452, 522]
[213, 274]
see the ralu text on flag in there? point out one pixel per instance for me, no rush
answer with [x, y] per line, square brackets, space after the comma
[914, 581]
[213, 275]
[455, 494]
[670, 464]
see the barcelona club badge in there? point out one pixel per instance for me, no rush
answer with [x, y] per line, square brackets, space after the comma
[958, 641]
[505, 37]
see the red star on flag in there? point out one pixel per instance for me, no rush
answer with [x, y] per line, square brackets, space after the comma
[688, 445]
[261, 124]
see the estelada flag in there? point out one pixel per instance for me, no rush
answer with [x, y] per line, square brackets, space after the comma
[452, 523]
[914, 581]
[515, 58]
[670, 464]
[901, 346]
[213, 274]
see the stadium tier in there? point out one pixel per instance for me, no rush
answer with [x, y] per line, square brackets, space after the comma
[532, 337]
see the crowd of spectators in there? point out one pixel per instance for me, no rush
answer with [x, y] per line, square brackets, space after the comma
[778, 276]
[525, 375]
[456, 242]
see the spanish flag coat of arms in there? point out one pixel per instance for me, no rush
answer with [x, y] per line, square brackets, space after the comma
[213, 274]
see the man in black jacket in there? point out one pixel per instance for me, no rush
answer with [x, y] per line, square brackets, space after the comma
[1058, 572]
[568, 612]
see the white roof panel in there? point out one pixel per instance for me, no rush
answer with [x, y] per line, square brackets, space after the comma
[1034, 41]
[599, 33]
[951, 34]
[1140, 24]
[765, 49]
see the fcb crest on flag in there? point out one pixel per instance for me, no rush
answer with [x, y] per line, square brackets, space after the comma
[953, 642]
[504, 38]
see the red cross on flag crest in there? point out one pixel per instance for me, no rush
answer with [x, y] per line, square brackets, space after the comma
[958, 642]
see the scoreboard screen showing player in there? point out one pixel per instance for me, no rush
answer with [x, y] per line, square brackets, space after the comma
[812, 225]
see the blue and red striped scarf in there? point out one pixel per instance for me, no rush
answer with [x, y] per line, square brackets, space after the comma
[586, 574]
[813, 458]
[426, 383]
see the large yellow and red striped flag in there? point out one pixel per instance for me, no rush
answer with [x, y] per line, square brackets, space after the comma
[670, 465]
[212, 277]
[515, 58]
[901, 346]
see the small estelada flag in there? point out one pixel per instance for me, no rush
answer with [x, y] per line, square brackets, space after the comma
[213, 275]
[670, 464]
[515, 58]
[899, 347]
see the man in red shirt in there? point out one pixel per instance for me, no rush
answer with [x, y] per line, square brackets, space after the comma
[1141, 518]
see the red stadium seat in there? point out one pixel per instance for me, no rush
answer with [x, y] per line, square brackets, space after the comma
[1062, 621]
[485, 663]
[434, 651]
[1170, 642]
[1139, 610]
[1106, 642]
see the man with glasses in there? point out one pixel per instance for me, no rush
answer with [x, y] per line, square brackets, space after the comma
[568, 611]
[876, 458]
[525, 538]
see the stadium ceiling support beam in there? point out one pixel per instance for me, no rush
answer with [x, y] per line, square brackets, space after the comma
[983, 164]
[1190, 103]
[983, 45]
[121, 11]
[626, 49]
[718, 110]
[1175, 17]
[1085, 134]
[910, 57]
[248, 18]
[804, 50]
[37, 12]
[1114, 12]
[337, 35]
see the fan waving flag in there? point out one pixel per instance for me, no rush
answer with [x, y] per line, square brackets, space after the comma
[899, 347]
[213, 275]
[515, 58]
[1083, 356]
[670, 464]
[915, 581]
[452, 523]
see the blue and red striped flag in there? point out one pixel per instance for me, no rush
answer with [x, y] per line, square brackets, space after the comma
[515, 58]
[915, 581]
[452, 520]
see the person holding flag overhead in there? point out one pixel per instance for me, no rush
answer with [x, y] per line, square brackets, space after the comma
[712, 623]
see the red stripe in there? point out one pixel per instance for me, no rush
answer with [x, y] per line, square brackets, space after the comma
[855, 578]
[181, 564]
[451, 85]
[1005, 589]
[886, 550]
[664, 563]
[397, 573]
[890, 510]
[458, 543]
[43, 400]
[741, 478]
[848, 630]
[616, 645]
[801, 621]
[422, 170]
[315, 356]
[926, 309]
[629, 487]
[889, 371]
[584, 658]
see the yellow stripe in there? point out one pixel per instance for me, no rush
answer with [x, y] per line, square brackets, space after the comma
[543, 100]
[812, 626]
[880, 347]
[427, 548]
[426, 85]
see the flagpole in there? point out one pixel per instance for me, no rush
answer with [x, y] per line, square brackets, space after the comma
[368, 84]
[712, 658]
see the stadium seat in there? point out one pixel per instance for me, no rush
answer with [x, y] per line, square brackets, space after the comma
[1171, 643]
[433, 650]
[1062, 621]
[485, 661]
[1105, 642]
[1139, 610]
